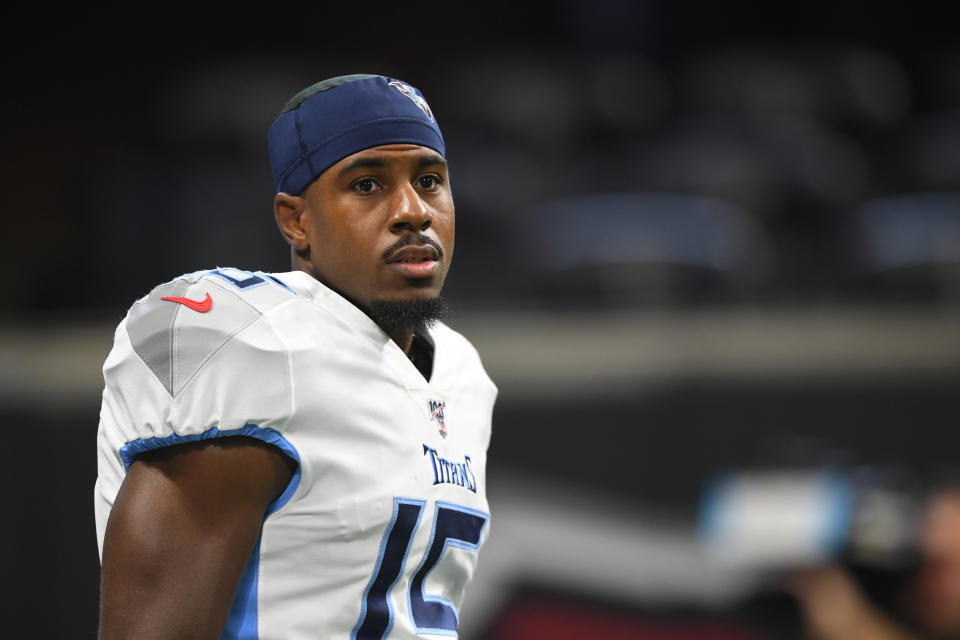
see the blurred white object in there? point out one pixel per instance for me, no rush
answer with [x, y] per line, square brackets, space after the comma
[776, 519]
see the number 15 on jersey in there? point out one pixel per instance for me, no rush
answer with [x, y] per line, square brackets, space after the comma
[453, 526]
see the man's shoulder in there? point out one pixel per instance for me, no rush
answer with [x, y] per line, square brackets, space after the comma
[200, 291]
[222, 294]
[180, 323]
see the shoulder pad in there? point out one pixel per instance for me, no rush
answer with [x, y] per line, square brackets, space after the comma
[179, 325]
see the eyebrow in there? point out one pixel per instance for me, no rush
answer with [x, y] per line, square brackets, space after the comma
[430, 160]
[374, 163]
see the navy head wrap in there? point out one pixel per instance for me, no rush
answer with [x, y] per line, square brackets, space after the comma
[338, 117]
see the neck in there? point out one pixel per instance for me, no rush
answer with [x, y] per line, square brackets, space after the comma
[402, 336]
[404, 340]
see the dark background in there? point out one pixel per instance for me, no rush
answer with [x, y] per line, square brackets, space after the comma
[135, 150]
[113, 119]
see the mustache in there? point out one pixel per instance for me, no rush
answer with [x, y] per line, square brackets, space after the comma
[418, 238]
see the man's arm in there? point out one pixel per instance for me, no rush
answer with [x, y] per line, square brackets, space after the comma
[180, 533]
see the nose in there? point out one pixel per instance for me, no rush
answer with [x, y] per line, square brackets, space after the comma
[409, 211]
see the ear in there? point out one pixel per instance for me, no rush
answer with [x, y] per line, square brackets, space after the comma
[289, 211]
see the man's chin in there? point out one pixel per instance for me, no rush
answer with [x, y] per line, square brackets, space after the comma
[408, 314]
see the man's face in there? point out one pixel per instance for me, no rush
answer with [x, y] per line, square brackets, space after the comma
[380, 224]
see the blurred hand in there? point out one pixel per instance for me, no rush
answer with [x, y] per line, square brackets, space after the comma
[834, 608]
[936, 592]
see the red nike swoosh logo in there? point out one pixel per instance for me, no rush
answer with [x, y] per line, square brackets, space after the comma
[197, 305]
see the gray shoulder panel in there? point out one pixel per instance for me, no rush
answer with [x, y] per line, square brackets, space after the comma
[150, 327]
[174, 338]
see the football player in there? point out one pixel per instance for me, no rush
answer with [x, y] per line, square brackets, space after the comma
[302, 454]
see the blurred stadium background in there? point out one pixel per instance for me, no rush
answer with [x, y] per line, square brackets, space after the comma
[694, 239]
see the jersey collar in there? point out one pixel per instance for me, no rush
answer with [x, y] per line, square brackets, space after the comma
[340, 306]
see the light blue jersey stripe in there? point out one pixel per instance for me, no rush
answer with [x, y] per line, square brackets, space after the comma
[242, 623]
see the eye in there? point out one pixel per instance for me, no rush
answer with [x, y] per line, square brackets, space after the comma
[429, 182]
[366, 185]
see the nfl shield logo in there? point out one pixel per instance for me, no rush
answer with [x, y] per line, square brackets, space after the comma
[436, 413]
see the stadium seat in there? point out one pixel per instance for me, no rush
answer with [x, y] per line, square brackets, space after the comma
[639, 248]
[908, 245]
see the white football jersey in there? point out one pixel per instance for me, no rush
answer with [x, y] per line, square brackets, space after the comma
[377, 534]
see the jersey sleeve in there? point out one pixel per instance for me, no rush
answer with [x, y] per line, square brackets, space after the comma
[182, 370]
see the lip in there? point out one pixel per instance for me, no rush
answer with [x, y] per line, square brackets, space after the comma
[413, 251]
[415, 261]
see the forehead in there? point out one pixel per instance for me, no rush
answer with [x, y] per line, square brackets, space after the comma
[388, 154]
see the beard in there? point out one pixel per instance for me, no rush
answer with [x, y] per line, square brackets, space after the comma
[398, 316]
